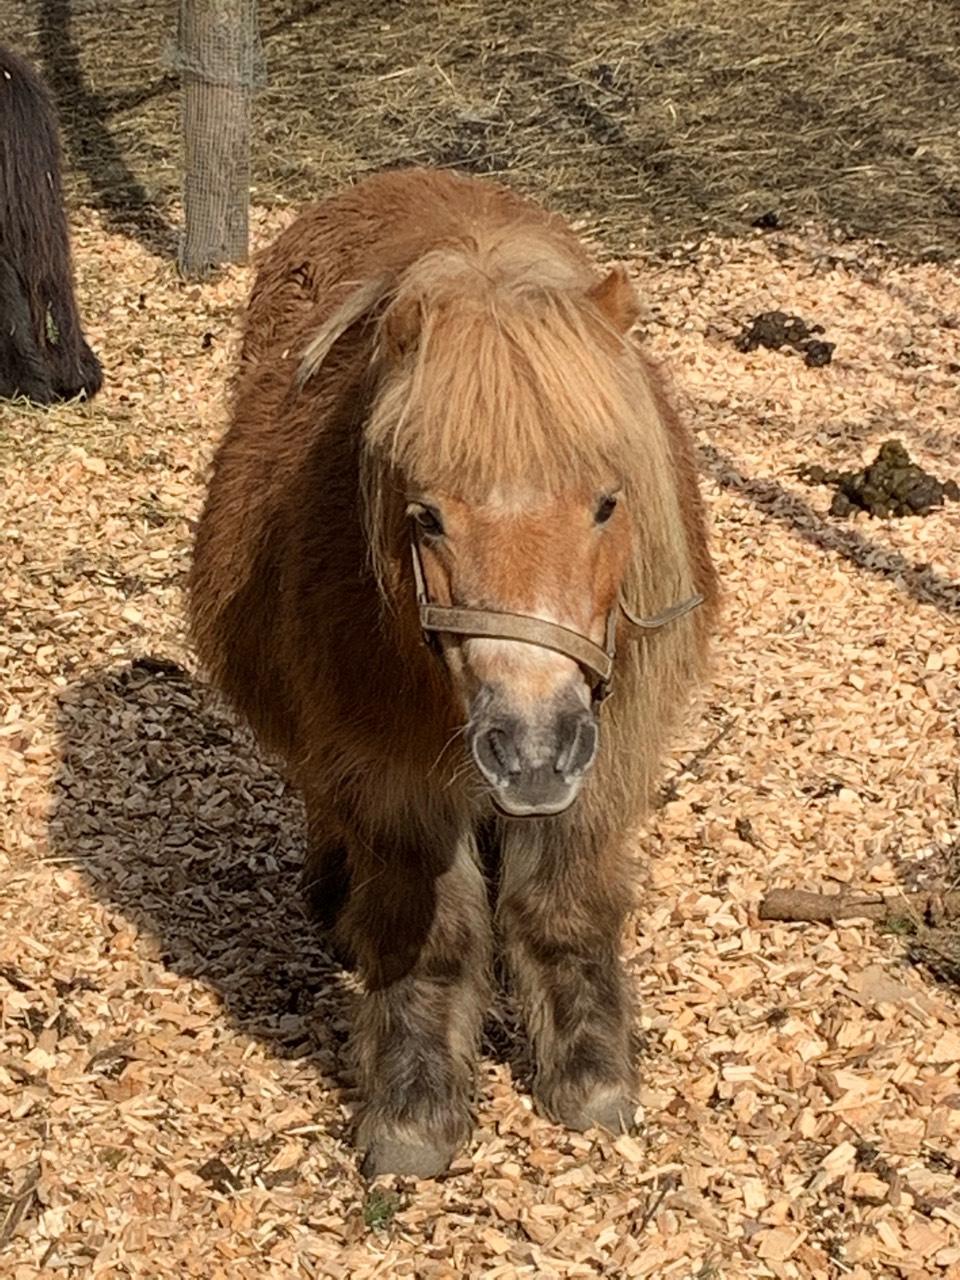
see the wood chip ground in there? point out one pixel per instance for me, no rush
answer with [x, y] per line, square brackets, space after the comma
[171, 1039]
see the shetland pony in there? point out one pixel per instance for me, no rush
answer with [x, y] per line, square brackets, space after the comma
[43, 354]
[447, 469]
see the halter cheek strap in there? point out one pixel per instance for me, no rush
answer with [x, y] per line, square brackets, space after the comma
[596, 660]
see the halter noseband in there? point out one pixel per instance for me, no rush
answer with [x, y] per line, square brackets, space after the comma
[596, 660]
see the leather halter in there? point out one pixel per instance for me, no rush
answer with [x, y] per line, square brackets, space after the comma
[596, 660]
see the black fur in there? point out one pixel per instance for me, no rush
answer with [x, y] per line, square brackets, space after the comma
[43, 353]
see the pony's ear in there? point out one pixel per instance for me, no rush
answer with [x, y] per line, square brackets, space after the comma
[614, 296]
[400, 327]
[355, 307]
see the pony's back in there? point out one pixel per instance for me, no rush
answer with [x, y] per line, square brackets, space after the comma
[390, 219]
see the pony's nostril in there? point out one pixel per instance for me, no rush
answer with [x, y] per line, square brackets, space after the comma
[579, 739]
[503, 750]
[495, 751]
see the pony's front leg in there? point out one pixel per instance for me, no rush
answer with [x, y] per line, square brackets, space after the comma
[23, 370]
[417, 921]
[564, 898]
[325, 881]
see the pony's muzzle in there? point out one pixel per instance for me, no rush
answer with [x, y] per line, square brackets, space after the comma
[534, 765]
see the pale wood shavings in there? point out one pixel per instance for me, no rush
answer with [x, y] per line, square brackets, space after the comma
[173, 1093]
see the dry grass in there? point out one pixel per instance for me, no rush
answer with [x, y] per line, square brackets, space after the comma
[657, 122]
[172, 1100]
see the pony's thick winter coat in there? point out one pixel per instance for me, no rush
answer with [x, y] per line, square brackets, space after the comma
[43, 353]
[424, 331]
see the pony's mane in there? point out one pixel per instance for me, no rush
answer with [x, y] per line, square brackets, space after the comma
[509, 378]
[495, 367]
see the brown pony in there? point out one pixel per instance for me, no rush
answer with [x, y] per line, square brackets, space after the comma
[441, 431]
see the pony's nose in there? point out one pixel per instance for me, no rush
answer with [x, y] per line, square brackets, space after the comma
[535, 768]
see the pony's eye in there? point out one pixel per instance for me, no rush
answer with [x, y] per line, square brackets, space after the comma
[605, 508]
[428, 521]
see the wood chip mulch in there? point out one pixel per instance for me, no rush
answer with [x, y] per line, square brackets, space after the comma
[171, 1038]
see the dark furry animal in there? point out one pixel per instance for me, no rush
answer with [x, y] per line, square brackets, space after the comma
[43, 353]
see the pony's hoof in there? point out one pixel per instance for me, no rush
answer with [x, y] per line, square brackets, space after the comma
[409, 1157]
[604, 1107]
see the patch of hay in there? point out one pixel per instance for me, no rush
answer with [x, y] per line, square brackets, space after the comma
[657, 123]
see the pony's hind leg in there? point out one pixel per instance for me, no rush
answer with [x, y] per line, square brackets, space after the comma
[419, 924]
[564, 897]
[73, 366]
[325, 883]
[325, 879]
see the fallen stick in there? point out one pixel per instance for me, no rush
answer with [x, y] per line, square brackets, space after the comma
[798, 905]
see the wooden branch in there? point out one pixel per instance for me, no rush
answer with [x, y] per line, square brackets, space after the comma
[797, 905]
[668, 790]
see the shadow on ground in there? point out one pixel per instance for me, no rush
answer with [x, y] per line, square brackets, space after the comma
[657, 123]
[176, 822]
[91, 145]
